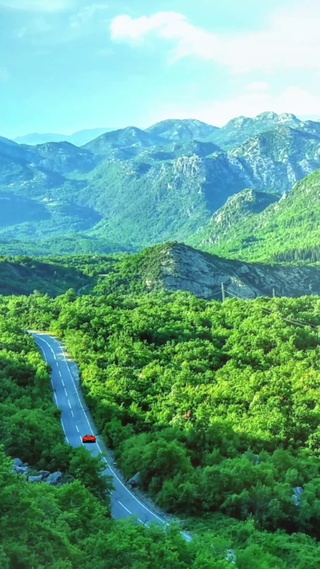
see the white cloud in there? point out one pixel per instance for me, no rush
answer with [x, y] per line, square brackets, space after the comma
[38, 5]
[290, 40]
[168, 26]
[258, 86]
[292, 100]
[87, 14]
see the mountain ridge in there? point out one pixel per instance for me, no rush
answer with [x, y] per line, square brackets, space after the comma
[138, 188]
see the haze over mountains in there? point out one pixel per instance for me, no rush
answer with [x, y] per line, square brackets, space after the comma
[131, 188]
[77, 138]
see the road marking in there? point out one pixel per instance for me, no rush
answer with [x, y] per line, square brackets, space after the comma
[72, 413]
[124, 486]
[63, 383]
[74, 385]
[121, 504]
[113, 472]
[59, 372]
[66, 392]
[69, 403]
[64, 431]
[77, 428]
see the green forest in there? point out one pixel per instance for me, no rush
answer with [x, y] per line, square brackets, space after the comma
[216, 404]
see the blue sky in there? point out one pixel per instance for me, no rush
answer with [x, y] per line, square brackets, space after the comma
[66, 65]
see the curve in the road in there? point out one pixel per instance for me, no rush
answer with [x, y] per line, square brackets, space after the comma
[76, 422]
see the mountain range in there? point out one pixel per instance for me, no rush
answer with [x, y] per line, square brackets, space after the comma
[178, 180]
[77, 138]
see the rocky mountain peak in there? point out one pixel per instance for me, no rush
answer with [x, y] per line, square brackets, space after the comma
[183, 130]
[237, 122]
[269, 115]
[289, 117]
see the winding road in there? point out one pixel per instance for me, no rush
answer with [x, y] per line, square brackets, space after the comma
[76, 421]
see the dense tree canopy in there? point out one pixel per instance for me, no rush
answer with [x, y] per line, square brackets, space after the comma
[215, 404]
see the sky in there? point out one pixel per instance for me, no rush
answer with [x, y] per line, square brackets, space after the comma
[68, 65]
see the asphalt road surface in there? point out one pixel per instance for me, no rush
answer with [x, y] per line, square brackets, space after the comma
[76, 421]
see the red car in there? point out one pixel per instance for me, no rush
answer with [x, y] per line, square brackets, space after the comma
[89, 439]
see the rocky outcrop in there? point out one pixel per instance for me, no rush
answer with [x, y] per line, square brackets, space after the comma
[35, 478]
[54, 478]
[20, 467]
[184, 268]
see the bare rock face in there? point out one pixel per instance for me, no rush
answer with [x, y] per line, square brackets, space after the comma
[33, 479]
[20, 467]
[54, 478]
[187, 269]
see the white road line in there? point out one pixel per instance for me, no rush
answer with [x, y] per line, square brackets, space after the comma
[121, 504]
[77, 428]
[124, 486]
[69, 403]
[63, 383]
[114, 474]
[64, 431]
[59, 372]
[76, 390]
[66, 392]
[72, 413]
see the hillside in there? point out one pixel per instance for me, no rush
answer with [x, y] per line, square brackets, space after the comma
[285, 231]
[24, 275]
[177, 267]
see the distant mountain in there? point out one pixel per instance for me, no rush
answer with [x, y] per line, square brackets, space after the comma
[135, 188]
[239, 129]
[161, 195]
[183, 130]
[77, 138]
[124, 143]
[277, 158]
[63, 157]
